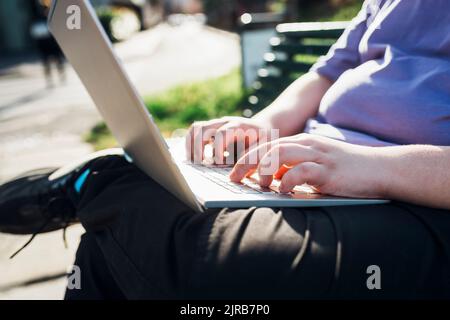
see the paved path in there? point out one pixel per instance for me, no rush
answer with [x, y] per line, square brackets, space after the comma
[41, 127]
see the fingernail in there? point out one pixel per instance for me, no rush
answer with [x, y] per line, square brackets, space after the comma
[264, 181]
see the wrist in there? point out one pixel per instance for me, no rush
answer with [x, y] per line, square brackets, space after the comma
[263, 121]
[383, 172]
[267, 125]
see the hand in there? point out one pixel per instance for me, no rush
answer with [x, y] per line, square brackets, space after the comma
[329, 166]
[224, 134]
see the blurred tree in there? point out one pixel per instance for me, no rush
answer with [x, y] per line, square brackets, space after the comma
[312, 10]
[221, 14]
[224, 13]
[15, 16]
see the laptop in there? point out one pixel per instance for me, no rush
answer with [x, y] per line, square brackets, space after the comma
[76, 28]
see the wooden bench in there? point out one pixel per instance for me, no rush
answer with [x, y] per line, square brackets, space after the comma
[293, 51]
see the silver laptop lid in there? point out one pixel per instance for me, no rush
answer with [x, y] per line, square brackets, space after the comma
[76, 28]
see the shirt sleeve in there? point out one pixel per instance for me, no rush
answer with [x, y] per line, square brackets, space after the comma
[344, 54]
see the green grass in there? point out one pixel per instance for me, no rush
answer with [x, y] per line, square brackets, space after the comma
[100, 137]
[346, 12]
[180, 106]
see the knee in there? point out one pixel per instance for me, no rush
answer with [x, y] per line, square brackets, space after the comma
[255, 254]
[116, 193]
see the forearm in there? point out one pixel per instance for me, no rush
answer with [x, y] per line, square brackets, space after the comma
[417, 174]
[299, 102]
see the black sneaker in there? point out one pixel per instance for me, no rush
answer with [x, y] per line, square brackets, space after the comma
[45, 200]
[32, 203]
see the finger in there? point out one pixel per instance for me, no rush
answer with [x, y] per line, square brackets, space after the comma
[248, 162]
[188, 144]
[223, 139]
[307, 172]
[245, 138]
[251, 159]
[283, 154]
[280, 173]
[192, 142]
[198, 136]
[234, 140]
[208, 137]
[200, 140]
[250, 173]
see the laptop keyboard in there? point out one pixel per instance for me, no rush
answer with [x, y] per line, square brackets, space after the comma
[219, 175]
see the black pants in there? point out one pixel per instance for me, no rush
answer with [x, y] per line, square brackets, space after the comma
[142, 243]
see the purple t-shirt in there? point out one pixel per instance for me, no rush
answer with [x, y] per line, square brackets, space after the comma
[391, 69]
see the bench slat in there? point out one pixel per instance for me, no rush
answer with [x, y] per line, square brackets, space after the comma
[290, 66]
[312, 29]
[290, 48]
[286, 62]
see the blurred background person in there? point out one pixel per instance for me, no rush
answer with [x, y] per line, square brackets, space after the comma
[49, 50]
